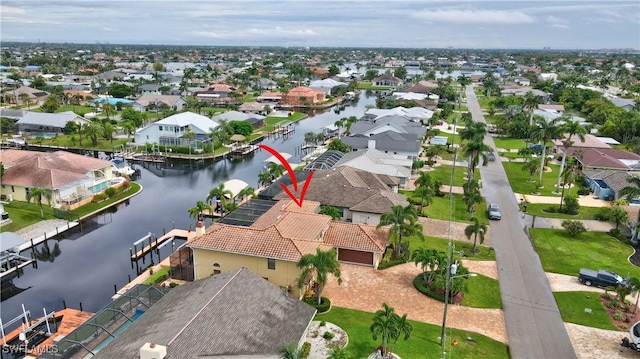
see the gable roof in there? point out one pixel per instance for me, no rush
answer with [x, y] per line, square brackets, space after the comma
[236, 116]
[326, 83]
[188, 118]
[233, 314]
[400, 123]
[377, 162]
[590, 141]
[606, 158]
[356, 236]
[616, 180]
[47, 170]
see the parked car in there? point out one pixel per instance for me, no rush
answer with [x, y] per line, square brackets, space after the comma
[491, 156]
[538, 147]
[494, 211]
[601, 278]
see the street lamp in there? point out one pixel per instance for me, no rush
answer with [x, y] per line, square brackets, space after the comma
[451, 271]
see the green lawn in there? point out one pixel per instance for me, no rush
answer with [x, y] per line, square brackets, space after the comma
[536, 209]
[94, 206]
[483, 292]
[423, 342]
[369, 86]
[440, 208]
[519, 179]
[443, 173]
[441, 245]
[509, 143]
[559, 253]
[451, 137]
[65, 141]
[572, 307]
[23, 214]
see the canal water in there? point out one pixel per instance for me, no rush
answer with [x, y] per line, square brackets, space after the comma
[85, 266]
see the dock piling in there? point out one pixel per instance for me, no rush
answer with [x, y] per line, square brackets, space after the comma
[64, 304]
[82, 310]
[129, 277]
[115, 289]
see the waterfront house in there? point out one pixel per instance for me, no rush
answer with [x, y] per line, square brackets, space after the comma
[303, 96]
[328, 86]
[169, 131]
[397, 123]
[44, 124]
[387, 80]
[400, 145]
[73, 179]
[148, 102]
[271, 241]
[235, 314]
[36, 97]
[254, 119]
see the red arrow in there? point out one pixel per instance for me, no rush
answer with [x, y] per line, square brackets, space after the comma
[292, 175]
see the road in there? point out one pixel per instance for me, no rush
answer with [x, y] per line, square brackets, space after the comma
[534, 325]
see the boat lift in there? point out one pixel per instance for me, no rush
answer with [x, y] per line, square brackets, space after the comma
[28, 331]
[10, 258]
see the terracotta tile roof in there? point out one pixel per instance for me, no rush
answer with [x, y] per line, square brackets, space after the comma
[301, 91]
[285, 205]
[357, 236]
[590, 141]
[47, 170]
[302, 225]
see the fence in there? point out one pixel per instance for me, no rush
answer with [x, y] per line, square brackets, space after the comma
[65, 214]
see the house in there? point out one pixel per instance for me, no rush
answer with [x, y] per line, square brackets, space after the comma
[606, 184]
[169, 131]
[590, 141]
[395, 123]
[269, 97]
[416, 114]
[41, 123]
[254, 119]
[216, 93]
[73, 179]
[605, 158]
[370, 195]
[278, 238]
[319, 73]
[36, 97]
[303, 96]
[149, 89]
[235, 314]
[559, 109]
[387, 80]
[378, 162]
[328, 86]
[400, 145]
[255, 107]
[624, 103]
[153, 102]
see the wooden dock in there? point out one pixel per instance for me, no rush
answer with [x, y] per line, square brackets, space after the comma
[243, 150]
[174, 233]
[208, 214]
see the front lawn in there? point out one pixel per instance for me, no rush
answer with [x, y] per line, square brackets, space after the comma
[509, 143]
[572, 307]
[442, 173]
[23, 214]
[483, 292]
[536, 209]
[67, 141]
[442, 245]
[452, 139]
[423, 342]
[519, 179]
[560, 253]
[440, 208]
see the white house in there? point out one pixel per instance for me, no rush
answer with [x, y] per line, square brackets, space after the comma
[378, 162]
[169, 131]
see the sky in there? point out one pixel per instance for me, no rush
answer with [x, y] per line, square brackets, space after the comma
[325, 23]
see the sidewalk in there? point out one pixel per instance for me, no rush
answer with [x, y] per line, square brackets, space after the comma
[586, 201]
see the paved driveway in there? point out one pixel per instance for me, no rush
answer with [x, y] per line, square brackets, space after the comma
[365, 289]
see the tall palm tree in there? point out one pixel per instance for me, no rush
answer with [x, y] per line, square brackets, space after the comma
[424, 180]
[531, 102]
[631, 192]
[431, 262]
[475, 150]
[385, 326]
[222, 132]
[24, 97]
[571, 128]
[93, 130]
[37, 194]
[403, 327]
[476, 229]
[424, 193]
[275, 170]
[108, 130]
[219, 193]
[319, 266]
[530, 166]
[569, 174]
[403, 223]
[264, 178]
[471, 197]
[544, 132]
[196, 212]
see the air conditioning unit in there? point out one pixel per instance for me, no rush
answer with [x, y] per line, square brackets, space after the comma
[153, 351]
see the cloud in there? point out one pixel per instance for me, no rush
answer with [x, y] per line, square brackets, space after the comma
[561, 26]
[474, 16]
[207, 34]
[21, 20]
[11, 10]
[110, 29]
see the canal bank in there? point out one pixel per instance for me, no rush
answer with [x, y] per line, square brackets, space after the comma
[85, 266]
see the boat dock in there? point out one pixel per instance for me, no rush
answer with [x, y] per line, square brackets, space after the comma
[157, 243]
[243, 150]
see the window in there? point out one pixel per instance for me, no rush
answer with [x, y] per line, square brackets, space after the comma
[216, 268]
[160, 128]
[271, 263]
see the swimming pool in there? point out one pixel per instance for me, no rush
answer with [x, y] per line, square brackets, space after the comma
[112, 101]
[42, 134]
[117, 332]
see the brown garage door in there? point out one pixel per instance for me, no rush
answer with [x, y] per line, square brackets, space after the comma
[349, 255]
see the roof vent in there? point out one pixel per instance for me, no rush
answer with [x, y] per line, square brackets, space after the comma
[153, 351]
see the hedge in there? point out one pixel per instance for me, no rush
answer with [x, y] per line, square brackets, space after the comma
[417, 282]
[388, 264]
[324, 306]
[305, 350]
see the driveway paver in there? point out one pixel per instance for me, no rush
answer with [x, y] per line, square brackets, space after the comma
[366, 289]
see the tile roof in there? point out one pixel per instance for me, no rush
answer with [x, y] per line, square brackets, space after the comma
[169, 100]
[606, 158]
[47, 170]
[590, 141]
[357, 236]
[236, 314]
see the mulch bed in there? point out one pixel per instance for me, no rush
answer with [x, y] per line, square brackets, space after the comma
[628, 319]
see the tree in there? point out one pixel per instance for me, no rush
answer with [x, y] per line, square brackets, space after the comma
[431, 261]
[634, 285]
[471, 195]
[51, 105]
[189, 135]
[243, 128]
[128, 127]
[93, 130]
[531, 102]
[403, 327]
[120, 90]
[219, 193]
[330, 211]
[544, 132]
[618, 215]
[108, 109]
[464, 81]
[573, 227]
[424, 193]
[337, 352]
[108, 130]
[26, 100]
[571, 128]
[222, 132]
[275, 170]
[37, 194]
[196, 212]
[319, 266]
[631, 192]
[400, 72]
[403, 222]
[264, 178]
[338, 145]
[384, 325]
[476, 229]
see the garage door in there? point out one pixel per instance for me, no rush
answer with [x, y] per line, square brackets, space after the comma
[349, 255]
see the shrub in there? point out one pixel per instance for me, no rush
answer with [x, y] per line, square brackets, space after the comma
[551, 209]
[324, 306]
[606, 296]
[387, 263]
[323, 323]
[110, 192]
[583, 192]
[613, 304]
[573, 227]
[305, 350]
[618, 315]
[417, 283]
[603, 214]
[328, 335]
[173, 284]
[571, 204]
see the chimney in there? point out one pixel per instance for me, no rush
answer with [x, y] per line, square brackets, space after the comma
[153, 351]
[371, 144]
[200, 228]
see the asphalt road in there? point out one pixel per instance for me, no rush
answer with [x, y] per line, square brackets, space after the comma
[534, 325]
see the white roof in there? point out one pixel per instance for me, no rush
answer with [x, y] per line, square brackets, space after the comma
[414, 112]
[50, 119]
[236, 116]
[377, 162]
[235, 186]
[204, 123]
[330, 83]
[608, 140]
[409, 95]
[275, 160]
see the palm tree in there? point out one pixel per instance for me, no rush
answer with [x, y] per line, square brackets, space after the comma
[189, 135]
[219, 193]
[631, 192]
[128, 126]
[471, 196]
[634, 285]
[196, 212]
[337, 352]
[544, 132]
[108, 109]
[275, 170]
[618, 215]
[424, 180]
[108, 130]
[531, 166]
[24, 97]
[571, 128]
[290, 351]
[319, 266]
[476, 229]
[264, 178]
[424, 193]
[45, 254]
[403, 327]
[569, 173]
[385, 326]
[431, 262]
[37, 194]
[93, 130]
[475, 150]
[330, 211]
[222, 132]
[403, 223]
[531, 102]
[246, 192]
